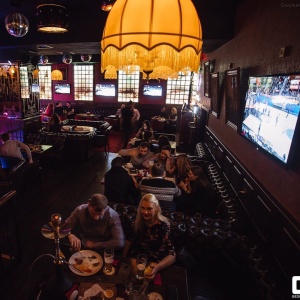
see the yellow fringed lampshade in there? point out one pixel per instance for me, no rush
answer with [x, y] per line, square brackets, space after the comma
[161, 36]
[56, 75]
[35, 74]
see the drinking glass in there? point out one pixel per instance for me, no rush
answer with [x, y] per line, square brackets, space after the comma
[108, 294]
[108, 259]
[141, 262]
[151, 163]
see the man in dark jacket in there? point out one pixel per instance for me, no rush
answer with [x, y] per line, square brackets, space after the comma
[119, 186]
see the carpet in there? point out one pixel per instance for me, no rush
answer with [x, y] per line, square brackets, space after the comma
[116, 141]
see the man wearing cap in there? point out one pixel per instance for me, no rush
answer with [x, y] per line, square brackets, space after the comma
[99, 225]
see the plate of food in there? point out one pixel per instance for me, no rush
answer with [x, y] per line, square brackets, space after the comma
[85, 263]
[154, 296]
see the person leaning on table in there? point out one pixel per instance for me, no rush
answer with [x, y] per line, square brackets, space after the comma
[12, 148]
[140, 156]
[99, 225]
[150, 235]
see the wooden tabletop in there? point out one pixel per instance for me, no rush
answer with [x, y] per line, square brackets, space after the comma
[125, 270]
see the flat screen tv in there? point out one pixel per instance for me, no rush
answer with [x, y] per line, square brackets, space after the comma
[105, 89]
[35, 88]
[271, 114]
[62, 88]
[152, 90]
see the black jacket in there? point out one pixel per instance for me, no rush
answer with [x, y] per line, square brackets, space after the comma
[119, 187]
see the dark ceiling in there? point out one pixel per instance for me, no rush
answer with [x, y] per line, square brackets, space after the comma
[86, 23]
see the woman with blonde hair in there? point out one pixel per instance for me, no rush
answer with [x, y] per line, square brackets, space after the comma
[150, 235]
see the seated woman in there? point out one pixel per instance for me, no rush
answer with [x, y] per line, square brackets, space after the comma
[183, 165]
[150, 235]
[199, 193]
[54, 124]
[145, 126]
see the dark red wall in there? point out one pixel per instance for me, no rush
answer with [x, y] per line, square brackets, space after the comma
[262, 28]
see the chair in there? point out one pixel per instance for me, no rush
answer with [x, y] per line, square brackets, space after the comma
[102, 139]
[12, 167]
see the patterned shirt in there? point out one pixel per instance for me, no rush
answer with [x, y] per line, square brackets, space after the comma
[153, 241]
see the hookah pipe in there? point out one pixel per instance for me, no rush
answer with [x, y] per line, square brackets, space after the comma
[59, 284]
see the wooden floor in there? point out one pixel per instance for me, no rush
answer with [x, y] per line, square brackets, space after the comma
[60, 192]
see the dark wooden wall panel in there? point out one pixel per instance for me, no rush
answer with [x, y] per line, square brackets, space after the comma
[272, 226]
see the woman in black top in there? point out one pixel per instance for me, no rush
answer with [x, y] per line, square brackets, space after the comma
[54, 124]
[199, 193]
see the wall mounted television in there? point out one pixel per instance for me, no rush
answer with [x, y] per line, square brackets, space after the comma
[271, 114]
[35, 88]
[105, 89]
[62, 88]
[152, 90]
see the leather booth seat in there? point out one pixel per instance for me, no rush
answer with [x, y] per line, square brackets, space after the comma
[75, 146]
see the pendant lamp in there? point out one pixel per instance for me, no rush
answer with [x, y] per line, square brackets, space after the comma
[162, 37]
[56, 75]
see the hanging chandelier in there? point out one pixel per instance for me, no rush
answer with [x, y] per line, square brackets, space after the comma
[161, 37]
[52, 18]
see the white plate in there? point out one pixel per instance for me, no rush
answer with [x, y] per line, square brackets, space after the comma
[91, 257]
[154, 296]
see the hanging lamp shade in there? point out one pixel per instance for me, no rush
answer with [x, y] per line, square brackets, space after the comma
[153, 34]
[52, 18]
[56, 75]
[35, 73]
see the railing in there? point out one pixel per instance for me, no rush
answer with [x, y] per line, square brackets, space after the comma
[16, 134]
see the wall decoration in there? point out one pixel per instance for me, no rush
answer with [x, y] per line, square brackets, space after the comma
[215, 105]
[232, 86]
[207, 79]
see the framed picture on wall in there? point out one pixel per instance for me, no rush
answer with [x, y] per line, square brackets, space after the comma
[214, 94]
[232, 106]
[207, 79]
[64, 71]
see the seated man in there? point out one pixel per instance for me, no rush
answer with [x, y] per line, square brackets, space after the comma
[59, 110]
[140, 156]
[165, 190]
[167, 159]
[12, 148]
[119, 186]
[99, 224]
[69, 111]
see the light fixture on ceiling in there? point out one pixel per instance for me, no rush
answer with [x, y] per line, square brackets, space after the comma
[16, 24]
[86, 57]
[164, 43]
[67, 59]
[56, 75]
[43, 59]
[107, 5]
[52, 18]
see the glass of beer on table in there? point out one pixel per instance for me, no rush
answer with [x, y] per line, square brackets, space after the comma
[108, 259]
[141, 262]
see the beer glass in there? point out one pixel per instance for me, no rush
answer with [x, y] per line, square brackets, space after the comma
[108, 259]
[141, 262]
